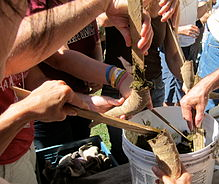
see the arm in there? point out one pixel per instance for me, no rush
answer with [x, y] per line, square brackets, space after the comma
[79, 65]
[74, 63]
[35, 39]
[46, 103]
[197, 98]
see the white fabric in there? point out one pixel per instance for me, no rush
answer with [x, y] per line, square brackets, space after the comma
[213, 24]
[188, 15]
[22, 171]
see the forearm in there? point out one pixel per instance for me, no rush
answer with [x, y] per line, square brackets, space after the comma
[12, 121]
[79, 65]
[211, 82]
[51, 30]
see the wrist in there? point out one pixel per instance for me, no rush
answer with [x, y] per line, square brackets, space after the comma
[109, 70]
[17, 114]
[117, 77]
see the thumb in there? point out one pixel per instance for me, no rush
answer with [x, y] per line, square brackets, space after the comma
[115, 102]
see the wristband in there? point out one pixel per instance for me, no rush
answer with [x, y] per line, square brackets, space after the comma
[119, 78]
[122, 79]
[108, 69]
[116, 76]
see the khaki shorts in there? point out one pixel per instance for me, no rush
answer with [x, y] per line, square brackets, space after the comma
[22, 171]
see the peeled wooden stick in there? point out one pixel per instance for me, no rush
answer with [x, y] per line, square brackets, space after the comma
[139, 97]
[112, 121]
[166, 154]
[199, 142]
[187, 72]
[135, 9]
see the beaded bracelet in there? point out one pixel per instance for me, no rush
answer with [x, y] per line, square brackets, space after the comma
[108, 69]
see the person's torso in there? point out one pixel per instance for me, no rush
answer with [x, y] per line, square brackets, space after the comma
[22, 141]
[188, 15]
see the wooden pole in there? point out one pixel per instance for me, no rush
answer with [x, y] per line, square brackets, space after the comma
[100, 117]
[135, 9]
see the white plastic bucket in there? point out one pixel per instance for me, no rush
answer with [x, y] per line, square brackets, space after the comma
[200, 163]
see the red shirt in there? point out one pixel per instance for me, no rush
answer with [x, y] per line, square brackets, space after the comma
[22, 141]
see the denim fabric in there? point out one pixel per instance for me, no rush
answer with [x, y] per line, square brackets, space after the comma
[209, 62]
[158, 92]
[173, 87]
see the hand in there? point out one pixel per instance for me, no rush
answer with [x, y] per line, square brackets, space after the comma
[169, 9]
[185, 178]
[48, 102]
[189, 30]
[196, 99]
[117, 14]
[102, 103]
[146, 34]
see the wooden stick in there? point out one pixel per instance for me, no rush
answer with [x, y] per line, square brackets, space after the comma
[198, 135]
[100, 117]
[135, 12]
[198, 139]
[175, 41]
[168, 123]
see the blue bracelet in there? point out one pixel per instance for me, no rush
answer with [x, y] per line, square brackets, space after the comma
[108, 71]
